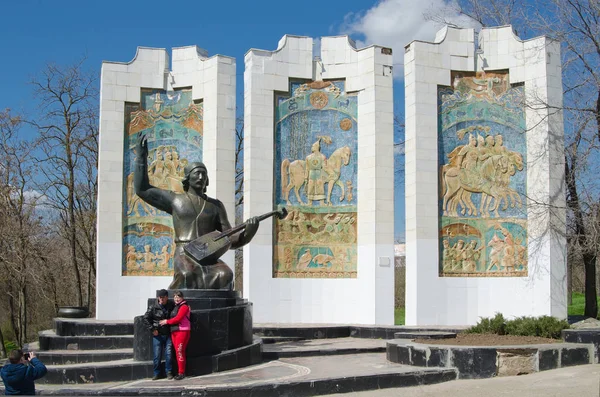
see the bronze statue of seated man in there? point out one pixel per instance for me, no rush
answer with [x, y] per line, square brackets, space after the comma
[194, 215]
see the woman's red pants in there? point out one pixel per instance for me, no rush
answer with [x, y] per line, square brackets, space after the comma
[180, 341]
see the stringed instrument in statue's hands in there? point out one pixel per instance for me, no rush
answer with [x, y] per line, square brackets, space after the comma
[208, 248]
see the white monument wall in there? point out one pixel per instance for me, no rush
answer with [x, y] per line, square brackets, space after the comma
[212, 79]
[435, 300]
[369, 298]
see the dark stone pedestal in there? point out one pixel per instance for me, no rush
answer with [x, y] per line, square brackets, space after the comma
[221, 321]
[583, 335]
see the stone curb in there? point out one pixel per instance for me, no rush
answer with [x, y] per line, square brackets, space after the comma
[477, 362]
[274, 355]
[344, 331]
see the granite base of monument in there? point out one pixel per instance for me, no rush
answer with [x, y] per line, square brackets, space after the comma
[221, 323]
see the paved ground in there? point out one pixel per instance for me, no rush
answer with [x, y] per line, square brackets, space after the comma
[325, 346]
[322, 373]
[580, 381]
[294, 369]
[282, 370]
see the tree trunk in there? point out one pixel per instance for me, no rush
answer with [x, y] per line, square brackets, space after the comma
[569, 273]
[72, 221]
[2, 346]
[89, 288]
[13, 317]
[22, 316]
[591, 302]
[589, 255]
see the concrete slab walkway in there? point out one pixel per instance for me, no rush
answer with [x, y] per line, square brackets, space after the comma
[579, 381]
[322, 347]
[294, 376]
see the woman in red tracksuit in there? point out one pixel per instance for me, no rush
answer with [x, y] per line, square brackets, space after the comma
[180, 330]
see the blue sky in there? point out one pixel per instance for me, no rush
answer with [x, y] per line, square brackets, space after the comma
[35, 32]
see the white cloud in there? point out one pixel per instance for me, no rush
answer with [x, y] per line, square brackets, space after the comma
[395, 23]
[34, 197]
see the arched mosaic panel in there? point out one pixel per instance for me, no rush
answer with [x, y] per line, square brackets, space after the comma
[173, 124]
[482, 151]
[315, 179]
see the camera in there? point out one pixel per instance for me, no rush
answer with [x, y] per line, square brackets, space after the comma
[26, 356]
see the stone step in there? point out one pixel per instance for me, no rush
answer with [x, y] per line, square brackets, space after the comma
[421, 328]
[424, 335]
[278, 339]
[326, 331]
[64, 357]
[107, 371]
[91, 327]
[302, 331]
[48, 340]
[129, 369]
[32, 347]
[323, 347]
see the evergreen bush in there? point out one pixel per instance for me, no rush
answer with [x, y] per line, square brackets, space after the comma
[494, 325]
[544, 326]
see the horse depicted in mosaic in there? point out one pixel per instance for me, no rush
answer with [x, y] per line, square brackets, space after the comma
[490, 178]
[293, 175]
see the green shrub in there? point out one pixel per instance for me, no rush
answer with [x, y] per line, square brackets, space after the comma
[544, 326]
[494, 325]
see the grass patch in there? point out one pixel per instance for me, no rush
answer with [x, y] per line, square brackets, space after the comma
[578, 304]
[399, 316]
[577, 307]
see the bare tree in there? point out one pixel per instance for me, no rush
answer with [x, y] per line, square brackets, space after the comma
[239, 198]
[239, 163]
[484, 13]
[19, 223]
[86, 192]
[68, 138]
[399, 145]
[576, 24]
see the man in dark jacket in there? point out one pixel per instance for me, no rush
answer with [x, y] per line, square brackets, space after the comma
[161, 335]
[21, 372]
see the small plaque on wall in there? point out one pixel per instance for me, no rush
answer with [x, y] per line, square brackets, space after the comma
[384, 261]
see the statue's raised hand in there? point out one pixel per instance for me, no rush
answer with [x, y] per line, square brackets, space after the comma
[251, 228]
[141, 148]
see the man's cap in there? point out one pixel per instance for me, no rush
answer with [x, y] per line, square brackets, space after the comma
[162, 292]
[192, 166]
